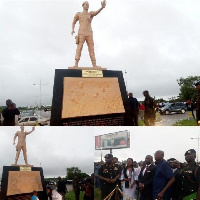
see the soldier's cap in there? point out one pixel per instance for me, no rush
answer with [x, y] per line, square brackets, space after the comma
[171, 160]
[108, 156]
[197, 83]
[190, 151]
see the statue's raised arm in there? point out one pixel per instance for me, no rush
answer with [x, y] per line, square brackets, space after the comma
[103, 5]
[85, 32]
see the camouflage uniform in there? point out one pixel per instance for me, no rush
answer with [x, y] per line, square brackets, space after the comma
[149, 112]
[190, 179]
[109, 172]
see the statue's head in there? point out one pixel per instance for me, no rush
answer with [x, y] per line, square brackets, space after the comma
[85, 5]
[22, 128]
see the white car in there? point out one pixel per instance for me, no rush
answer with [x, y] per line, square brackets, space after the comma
[32, 121]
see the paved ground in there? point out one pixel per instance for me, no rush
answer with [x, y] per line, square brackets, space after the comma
[169, 120]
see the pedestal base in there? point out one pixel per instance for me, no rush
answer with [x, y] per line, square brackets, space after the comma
[88, 68]
[18, 183]
[89, 98]
[17, 165]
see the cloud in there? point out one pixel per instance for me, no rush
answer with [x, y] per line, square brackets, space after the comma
[154, 41]
[52, 148]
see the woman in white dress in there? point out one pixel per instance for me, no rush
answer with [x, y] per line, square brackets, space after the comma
[129, 178]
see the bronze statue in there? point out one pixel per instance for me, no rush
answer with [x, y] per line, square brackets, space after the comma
[21, 145]
[85, 31]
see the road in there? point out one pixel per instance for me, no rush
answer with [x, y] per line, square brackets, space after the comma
[169, 120]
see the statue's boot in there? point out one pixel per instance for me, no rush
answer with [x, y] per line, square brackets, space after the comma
[94, 63]
[76, 63]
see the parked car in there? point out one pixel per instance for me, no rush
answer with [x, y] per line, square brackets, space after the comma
[32, 121]
[177, 107]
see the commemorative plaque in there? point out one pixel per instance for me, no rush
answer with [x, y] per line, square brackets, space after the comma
[89, 98]
[18, 183]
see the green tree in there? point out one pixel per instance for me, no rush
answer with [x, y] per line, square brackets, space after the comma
[75, 171]
[187, 87]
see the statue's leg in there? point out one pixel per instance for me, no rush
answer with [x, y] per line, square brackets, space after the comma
[90, 44]
[25, 155]
[79, 49]
[17, 155]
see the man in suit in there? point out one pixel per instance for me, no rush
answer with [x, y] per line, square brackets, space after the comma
[146, 179]
[134, 108]
[177, 175]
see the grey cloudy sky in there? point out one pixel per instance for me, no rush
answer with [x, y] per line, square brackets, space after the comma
[52, 148]
[155, 41]
[174, 141]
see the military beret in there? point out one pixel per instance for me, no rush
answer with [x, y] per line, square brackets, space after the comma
[197, 83]
[190, 151]
[108, 156]
[146, 91]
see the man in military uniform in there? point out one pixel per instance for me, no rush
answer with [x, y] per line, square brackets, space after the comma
[85, 31]
[149, 112]
[109, 174]
[198, 103]
[190, 179]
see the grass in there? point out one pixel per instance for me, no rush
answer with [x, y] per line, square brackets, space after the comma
[141, 122]
[97, 194]
[186, 122]
[71, 196]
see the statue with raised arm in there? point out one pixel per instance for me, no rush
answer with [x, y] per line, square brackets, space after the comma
[21, 145]
[85, 31]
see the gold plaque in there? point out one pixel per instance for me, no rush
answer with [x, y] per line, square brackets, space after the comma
[92, 73]
[91, 96]
[20, 182]
[25, 169]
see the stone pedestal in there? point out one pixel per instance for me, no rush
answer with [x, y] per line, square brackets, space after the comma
[18, 182]
[89, 97]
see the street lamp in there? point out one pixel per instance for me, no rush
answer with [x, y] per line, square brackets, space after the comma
[40, 94]
[198, 147]
[126, 81]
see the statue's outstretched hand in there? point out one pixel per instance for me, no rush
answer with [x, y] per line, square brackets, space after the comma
[103, 4]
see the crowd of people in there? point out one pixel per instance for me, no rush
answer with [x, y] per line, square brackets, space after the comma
[86, 185]
[147, 110]
[148, 180]
[58, 190]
